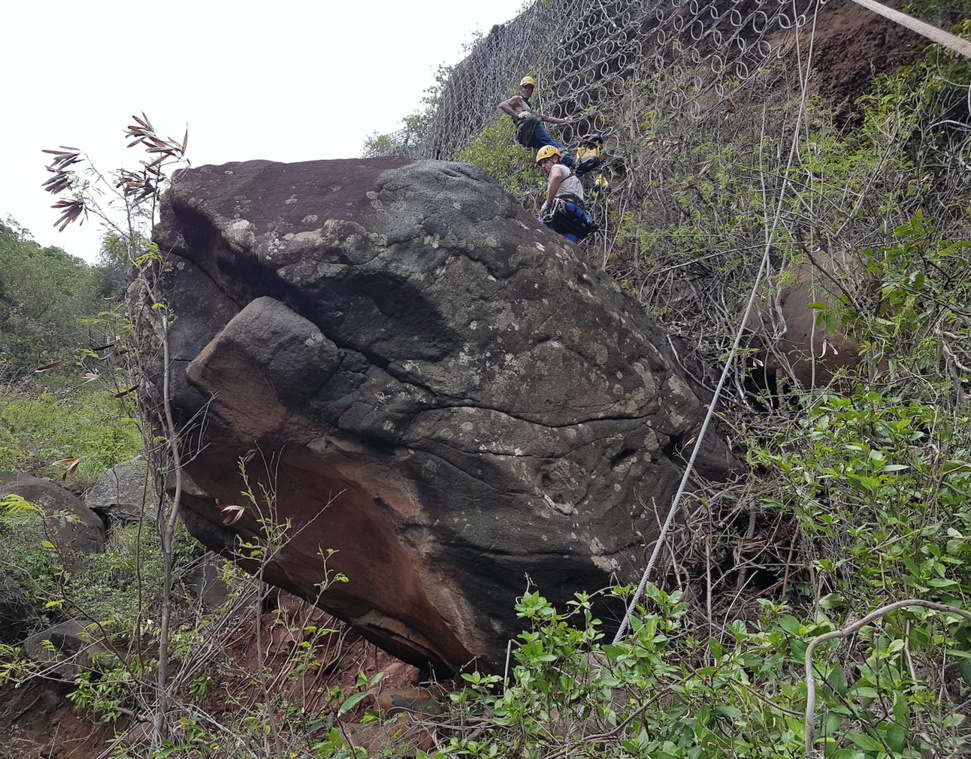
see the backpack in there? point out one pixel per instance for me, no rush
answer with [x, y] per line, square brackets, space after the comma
[588, 154]
[570, 217]
[525, 129]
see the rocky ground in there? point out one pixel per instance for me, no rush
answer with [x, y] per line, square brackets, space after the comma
[39, 721]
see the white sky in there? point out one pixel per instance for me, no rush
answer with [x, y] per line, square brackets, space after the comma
[288, 81]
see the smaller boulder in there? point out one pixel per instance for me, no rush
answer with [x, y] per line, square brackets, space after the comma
[63, 520]
[69, 648]
[786, 334]
[69, 524]
[204, 581]
[125, 493]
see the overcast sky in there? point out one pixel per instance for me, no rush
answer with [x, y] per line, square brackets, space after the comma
[286, 81]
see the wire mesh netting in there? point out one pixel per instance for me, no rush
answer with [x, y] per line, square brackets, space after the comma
[713, 145]
[585, 53]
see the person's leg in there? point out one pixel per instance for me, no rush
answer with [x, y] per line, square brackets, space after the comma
[542, 137]
[571, 238]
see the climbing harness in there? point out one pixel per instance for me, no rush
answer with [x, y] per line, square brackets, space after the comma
[570, 217]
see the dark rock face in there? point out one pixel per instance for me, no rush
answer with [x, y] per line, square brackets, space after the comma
[63, 520]
[437, 388]
[70, 524]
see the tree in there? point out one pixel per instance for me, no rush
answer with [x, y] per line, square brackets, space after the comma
[43, 292]
[409, 141]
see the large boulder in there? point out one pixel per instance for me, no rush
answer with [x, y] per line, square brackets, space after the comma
[422, 378]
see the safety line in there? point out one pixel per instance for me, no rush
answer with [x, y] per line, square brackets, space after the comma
[770, 234]
[922, 28]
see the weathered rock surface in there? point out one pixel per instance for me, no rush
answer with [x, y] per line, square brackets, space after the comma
[64, 521]
[124, 493]
[429, 382]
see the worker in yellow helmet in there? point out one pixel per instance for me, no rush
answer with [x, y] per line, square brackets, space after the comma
[530, 132]
[563, 210]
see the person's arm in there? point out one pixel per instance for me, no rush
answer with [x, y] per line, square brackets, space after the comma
[552, 120]
[556, 177]
[513, 106]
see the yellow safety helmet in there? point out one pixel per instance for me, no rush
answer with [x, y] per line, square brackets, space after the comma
[547, 151]
[527, 80]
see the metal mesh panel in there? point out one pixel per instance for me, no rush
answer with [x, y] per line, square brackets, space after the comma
[585, 53]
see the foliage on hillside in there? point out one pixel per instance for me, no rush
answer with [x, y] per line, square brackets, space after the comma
[45, 297]
[83, 425]
[857, 494]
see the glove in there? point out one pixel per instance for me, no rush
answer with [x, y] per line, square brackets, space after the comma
[523, 115]
[544, 209]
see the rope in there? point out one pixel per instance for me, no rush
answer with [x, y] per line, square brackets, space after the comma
[694, 453]
[932, 33]
[763, 267]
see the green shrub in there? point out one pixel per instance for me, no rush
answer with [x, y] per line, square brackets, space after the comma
[495, 151]
[83, 424]
[674, 689]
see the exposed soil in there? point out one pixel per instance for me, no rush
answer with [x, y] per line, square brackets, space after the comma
[39, 721]
[850, 45]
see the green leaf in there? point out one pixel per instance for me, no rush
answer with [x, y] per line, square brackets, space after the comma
[895, 737]
[615, 652]
[790, 624]
[353, 701]
[832, 723]
[901, 709]
[831, 601]
[964, 665]
[837, 680]
[716, 648]
[728, 711]
[864, 741]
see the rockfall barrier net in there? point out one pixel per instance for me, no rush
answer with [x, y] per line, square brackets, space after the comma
[709, 129]
[688, 54]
